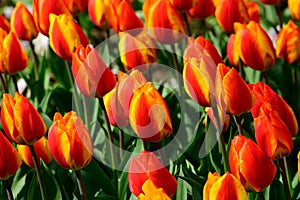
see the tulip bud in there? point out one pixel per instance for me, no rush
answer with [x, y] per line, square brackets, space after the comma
[232, 52]
[10, 49]
[226, 187]
[152, 192]
[97, 10]
[253, 11]
[288, 43]
[70, 142]
[20, 120]
[65, 35]
[41, 149]
[294, 7]
[92, 76]
[202, 9]
[4, 24]
[146, 166]
[250, 165]
[76, 6]
[183, 4]
[149, 115]
[22, 23]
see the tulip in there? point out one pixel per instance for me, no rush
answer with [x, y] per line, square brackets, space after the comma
[149, 115]
[20, 120]
[298, 165]
[271, 2]
[183, 4]
[92, 76]
[250, 165]
[65, 35]
[230, 11]
[169, 18]
[225, 187]
[10, 49]
[202, 9]
[136, 51]
[151, 192]
[4, 24]
[42, 10]
[70, 142]
[22, 23]
[146, 166]
[97, 10]
[272, 135]
[236, 91]
[232, 53]
[76, 6]
[288, 43]
[41, 149]
[294, 7]
[122, 17]
[253, 11]
[266, 98]
[224, 122]
[10, 159]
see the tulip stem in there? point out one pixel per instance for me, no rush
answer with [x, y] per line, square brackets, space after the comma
[4, 87]
[80, 185]
[239, 124]
[14, 78]
[284, 173]
[186, 23]
[121, 141]
[265, 75]
[35, 62]
[279, 15]
[36, 164]
[8, 190]
[261, 196]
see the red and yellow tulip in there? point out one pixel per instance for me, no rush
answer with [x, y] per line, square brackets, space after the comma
[20, 120]
[294, 7]
[271, 2]
[97, 10]
[151, 192]
[65, 35]
[183, 4]
[202, 9]
[4, 24]
[70, 142]
[76, 6]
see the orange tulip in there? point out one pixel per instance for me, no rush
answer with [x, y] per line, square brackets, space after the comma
[10, 49]
[42, 10]
[97, 10]
[169, 18]
[232, 53]
[136, 51]
[226, 187]
[253, 11]
[250, 165]
[149, 115]
[254, 46]
[76, 6]
[298, 165]
[288, 43]
[41, 148]
[70, 142]
[4, 24]
[146, 166]
[271, 2]
[92, 76]
[122, 17]
[183, 4]
[151, 192]
[10, 159]
[65, 35]
[236, 91]
[267, 99]
[294, 7]
[20, 120]
[202, 9]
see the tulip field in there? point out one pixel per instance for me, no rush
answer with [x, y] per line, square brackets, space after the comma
[149, 99]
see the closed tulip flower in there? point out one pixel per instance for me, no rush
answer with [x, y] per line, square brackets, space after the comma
[226, 187]
[288, 43]
[231, 50]
[20, 120]
[41, 148]
[151, 192]
[4, 24]
[250, 165]
[202, 9]
[65, 35]
[149, 115]
[97, 10]
[70, 142]
[10, 159]
[92, 76]
[294, 7]
[253, 11]
[42, 10]
[22, 23]
[183, 4]
[146, 166]
[76, 6]
[298, 165]
[10, 48]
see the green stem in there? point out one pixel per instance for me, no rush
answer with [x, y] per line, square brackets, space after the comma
[14, 78]
[261, 196]
[239, 124]
[8, 190]
[35, 62]
[38, 172]
[186, 23]
[284, 173]
[80, 185]
[279, 15]
[4, 86]
[121, 143]
[265, 75]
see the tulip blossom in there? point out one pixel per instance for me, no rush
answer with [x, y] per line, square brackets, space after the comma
[42, 10]
[183, 4]
[97, 10]
[20, 120]
[298, 165]
[92, 76]
[10, 49]
[4, 24]
[202, 9]
[253, 11]
[288, 43]
[149, 115]
[41, 149]
[250, 165]
[152, 193]
[146, 166]
[226, 187]
[22, 23]
[236, 91]
[76, 6]
[65, 35]
[271, 2]
[294, 7]
[70, 142]
[10, 159]
[122, 17]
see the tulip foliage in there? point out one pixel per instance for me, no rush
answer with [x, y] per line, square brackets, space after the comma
[150, 99]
